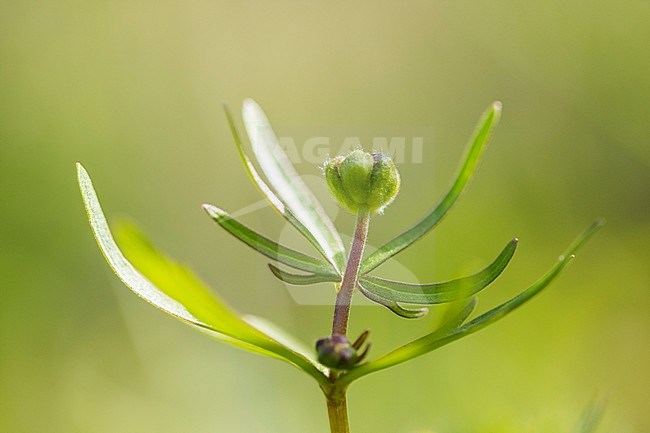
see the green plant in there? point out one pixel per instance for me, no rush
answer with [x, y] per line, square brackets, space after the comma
[362, 183]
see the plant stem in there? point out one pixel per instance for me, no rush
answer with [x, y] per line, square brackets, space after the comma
[337, 409]
[344, 297]
[337, 406]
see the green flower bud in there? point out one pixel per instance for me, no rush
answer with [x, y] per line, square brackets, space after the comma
[362, 181]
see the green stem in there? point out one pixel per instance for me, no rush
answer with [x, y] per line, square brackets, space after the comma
[337, 409]
[349, 282]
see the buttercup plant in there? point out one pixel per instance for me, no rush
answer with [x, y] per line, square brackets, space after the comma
[364, 184]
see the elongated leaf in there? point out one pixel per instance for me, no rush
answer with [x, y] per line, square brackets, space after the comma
[514, 303]
[172, 279]
[478, 143]
[268, 194]
[408, 313]
[392, 305]
[178, 292]
[280, 335]
[438, 293]
[414, 348]
[288, 185]
[303, 280]
[439, 338]
[182, 285]
[266, 246]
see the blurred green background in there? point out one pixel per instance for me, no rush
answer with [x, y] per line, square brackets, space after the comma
[134, 91]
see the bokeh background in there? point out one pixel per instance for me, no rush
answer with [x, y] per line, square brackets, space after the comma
[134, 91]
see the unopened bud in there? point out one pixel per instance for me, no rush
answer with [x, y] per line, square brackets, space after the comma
[336, 352]
[362, 181]
[339, 353]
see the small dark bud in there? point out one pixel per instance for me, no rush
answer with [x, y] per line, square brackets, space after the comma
[339, 353]
[336, 352]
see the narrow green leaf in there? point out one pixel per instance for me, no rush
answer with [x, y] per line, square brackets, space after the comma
[478, 143]
[178, 292]
[438, 293]
[182, 285]
[280, 335]
[268, 194]
[442, 337]
[408, 313]
[172, 279]
[266, 246]
[413, 349]
[392, 305]
[303, 280]
[288, 185]
[514, 303]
